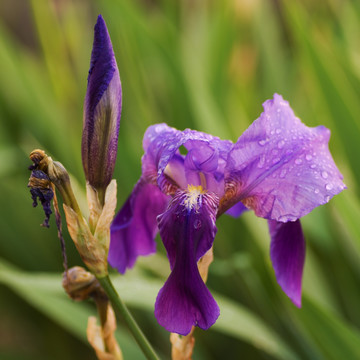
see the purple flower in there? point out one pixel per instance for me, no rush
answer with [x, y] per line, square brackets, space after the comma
[102, 110]
[279, 168]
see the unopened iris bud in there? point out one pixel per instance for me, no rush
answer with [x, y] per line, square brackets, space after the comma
[102, 110]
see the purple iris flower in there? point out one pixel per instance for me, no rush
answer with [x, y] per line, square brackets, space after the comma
[279, 168]
[102, 110]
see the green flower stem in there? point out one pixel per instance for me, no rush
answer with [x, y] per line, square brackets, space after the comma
[119, 305]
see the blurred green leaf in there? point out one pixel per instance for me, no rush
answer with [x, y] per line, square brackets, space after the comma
[44, 292]
[336, 338]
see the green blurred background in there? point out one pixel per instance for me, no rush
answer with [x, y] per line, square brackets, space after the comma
[206, 65]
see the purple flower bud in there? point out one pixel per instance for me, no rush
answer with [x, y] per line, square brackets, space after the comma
[102, 110]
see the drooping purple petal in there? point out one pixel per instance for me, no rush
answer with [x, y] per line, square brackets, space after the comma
[236, 210]
[102, 110]
[287, 252]
[206, 157]
[187, 229]
[134, 228]
[281, 168]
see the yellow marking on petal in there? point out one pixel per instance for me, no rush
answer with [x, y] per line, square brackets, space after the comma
[192, 196]
[202, 180]
[167, 171]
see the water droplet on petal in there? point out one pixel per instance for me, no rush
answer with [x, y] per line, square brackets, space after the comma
[327, 198]
[262, 142]
[276, 160]
[278, 131]
[328, 186]
[283, 173]
[324, 174]
[298, 161]
[261, 162]
[286, 218]
[281, 144]
[313, 166]
[197, 224]
[308, 157]
[316, 191]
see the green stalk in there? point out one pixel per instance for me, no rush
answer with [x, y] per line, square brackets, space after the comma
[119, 305]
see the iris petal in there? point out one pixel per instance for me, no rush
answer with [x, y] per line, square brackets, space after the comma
[161, 144]
[287, 254]
[281, 168]
[237, 210]
[187, 229]
[134, 228]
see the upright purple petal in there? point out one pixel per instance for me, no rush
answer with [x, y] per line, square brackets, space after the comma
[102, 110]
[287, 252]
[206, 155]
[281, 168]
[187, 229]
[134, 228]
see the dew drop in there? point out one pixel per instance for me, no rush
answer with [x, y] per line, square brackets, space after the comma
[276, 160]
[261, 162]
[313, 166]
[286, 218]
[281, 144]
[298, 161]
[278, 131]
[316, 191]
[324, 175]
[283, 173]
[262, 142]
[197, 224]
[308, 157]
[328, 186]
[327, 198]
